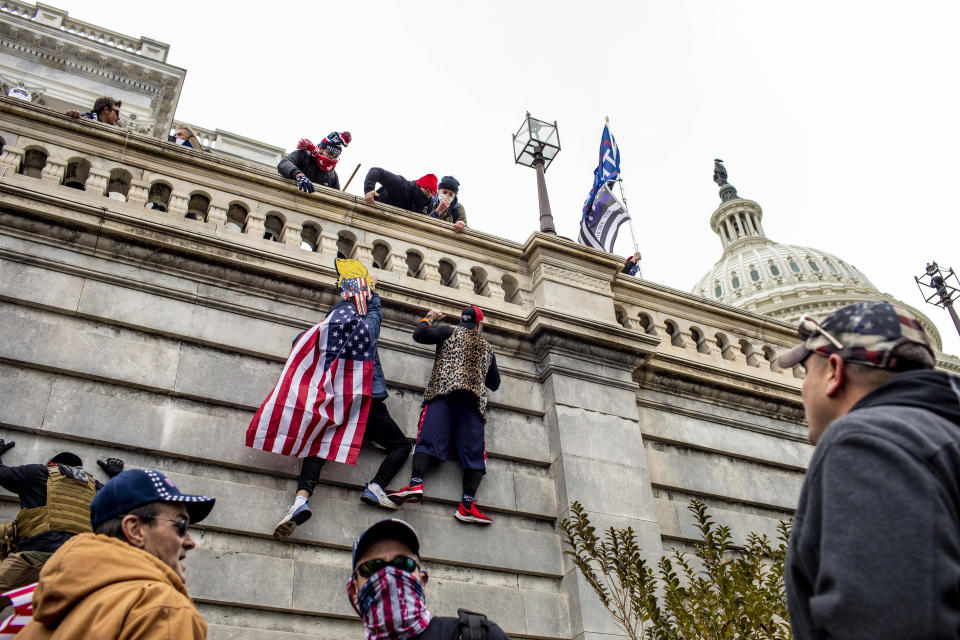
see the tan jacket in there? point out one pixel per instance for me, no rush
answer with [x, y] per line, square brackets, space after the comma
[100, 588]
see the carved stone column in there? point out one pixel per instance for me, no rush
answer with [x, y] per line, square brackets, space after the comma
[363, 253]
[11, 159]
[495, 289]
[328, 244]
[464, 283]
[217, 216]
[53, 171]
[178, 205]
[291, 235]
[138, 192]
[97, 183]
[255, 226]
[398, 263]
[431, 271]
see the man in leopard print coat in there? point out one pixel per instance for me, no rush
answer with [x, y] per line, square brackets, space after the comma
[455, 406]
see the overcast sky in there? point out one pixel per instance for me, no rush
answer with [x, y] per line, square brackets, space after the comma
[838, 118]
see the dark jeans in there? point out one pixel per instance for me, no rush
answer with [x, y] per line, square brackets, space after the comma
[380, 429]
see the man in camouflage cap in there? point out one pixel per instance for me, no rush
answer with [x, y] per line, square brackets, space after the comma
[875, 547]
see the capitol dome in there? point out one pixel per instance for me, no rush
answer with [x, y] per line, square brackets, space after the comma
[780, 280]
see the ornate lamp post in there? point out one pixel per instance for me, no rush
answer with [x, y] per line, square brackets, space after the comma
[936, 282]
[536, 144]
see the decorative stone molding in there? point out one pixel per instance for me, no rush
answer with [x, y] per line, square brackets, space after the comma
[217, 216]
[139, 191]
[254, 226]
[53, 170]
[97, 183]
[431, 271]
[290, 235]
[178, 205]
[363, 252]
[398, 263]
[11, 158]
[328, 244]
[571, 277]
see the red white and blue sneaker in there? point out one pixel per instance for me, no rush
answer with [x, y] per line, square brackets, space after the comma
[296, 516]
[375, 495]
[471, 514]
[410, 493]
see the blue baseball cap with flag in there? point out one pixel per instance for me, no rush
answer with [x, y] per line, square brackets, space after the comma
[137, 487]
[390, 529]
[868, 333]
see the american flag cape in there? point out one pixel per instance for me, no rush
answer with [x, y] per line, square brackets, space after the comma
[320, 404]
[22, 600]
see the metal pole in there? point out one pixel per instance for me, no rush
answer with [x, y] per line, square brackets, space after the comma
[623, 197]
[351, 177]
[546, 218]
[953, 315]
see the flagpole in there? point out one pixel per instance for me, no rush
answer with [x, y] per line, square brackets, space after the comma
[633, 236]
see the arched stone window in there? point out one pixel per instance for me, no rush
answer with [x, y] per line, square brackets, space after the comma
[774, 270]
[414, 264]
[647, 323]
[381, 254]
[813, 265]
[735, 281]
[754, 274]
[793, 265]
[310, 237]
[78, 170]
[478, 275]
[448, 272]
[511, 289]
[159, 197]
[273, 227]
[832, 268]
[346, 242]
[197, 207]
[621, 315]
[236, 217]
[717, 291]
[118, 184]
[34, 160]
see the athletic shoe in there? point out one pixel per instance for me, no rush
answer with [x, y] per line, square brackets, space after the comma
[410, 493]
[378, 498]
[294, 518]
[471, 514]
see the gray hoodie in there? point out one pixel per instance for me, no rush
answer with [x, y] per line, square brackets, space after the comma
[875, 548]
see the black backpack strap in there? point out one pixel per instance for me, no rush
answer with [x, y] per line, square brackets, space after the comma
[472, 625]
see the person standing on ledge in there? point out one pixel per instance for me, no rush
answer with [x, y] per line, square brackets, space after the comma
[386, 590]
[412, 195]
[454, 406]
[312, 163]
[446, 204]
[875, 547]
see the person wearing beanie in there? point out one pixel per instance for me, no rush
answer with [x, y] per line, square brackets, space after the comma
[54, 506]
[455, 407]
[412, 195]
[311, 163]
[446, 204]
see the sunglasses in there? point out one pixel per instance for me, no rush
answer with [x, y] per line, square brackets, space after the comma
[808, 327]
[370, 567]
[182, 524]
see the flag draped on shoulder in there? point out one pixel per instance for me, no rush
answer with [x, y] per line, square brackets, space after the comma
[22, 599]
[320, 404]
[599, 228]
[608, 167]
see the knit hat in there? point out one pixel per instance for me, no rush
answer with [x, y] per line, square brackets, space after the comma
[471, 316]
[337, 140]
[449, 182]
[428, 182]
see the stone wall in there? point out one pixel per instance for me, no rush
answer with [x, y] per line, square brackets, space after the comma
[129, 332]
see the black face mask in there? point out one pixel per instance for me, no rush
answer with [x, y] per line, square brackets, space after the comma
[420, 199]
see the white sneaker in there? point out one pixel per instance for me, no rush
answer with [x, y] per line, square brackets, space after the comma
[294, 518]
[376, 496]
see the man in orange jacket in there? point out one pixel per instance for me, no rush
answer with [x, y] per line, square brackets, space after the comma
[125, 580]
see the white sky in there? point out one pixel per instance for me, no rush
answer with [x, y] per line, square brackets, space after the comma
[838, 118]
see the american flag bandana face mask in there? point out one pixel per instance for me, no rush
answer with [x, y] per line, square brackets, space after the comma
[356, 291]
[393, 606]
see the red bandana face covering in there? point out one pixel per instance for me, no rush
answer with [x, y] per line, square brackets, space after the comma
[325, 163]
[392, 605]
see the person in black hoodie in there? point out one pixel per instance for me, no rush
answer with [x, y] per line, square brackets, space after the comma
[412, 195]
[875, 546]
[312, 163]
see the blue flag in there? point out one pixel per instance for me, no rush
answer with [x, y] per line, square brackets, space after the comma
[608, 168]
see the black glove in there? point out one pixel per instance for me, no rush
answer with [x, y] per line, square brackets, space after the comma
[111, 466]
[6, 446]
[304, 184]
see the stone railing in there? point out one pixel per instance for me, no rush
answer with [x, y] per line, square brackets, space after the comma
[60, 20]
[219, 198]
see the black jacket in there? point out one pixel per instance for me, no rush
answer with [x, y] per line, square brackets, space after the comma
[447, 629]
[396, 190]
[300, 161]
[29, 482]
[875, 547]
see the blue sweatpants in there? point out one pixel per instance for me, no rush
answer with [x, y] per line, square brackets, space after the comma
[453, 419]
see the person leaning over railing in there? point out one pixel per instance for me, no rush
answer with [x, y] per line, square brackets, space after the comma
[105, 110]
[185, 137]
[312, 163]
[412, 195]
[446, 204]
